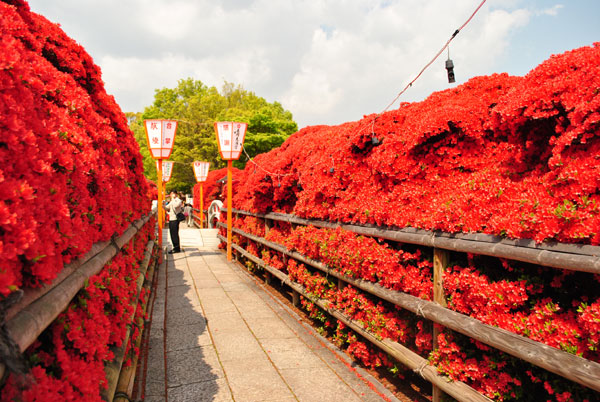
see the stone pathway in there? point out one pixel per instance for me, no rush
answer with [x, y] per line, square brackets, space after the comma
[227, 339]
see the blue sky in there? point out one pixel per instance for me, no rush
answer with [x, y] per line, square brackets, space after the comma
[327, 61]
[576, 24]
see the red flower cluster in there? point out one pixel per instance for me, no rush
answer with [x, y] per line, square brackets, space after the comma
[484, 372]
[69, 357]
[71, 171]
[152, 190]
[514, 156]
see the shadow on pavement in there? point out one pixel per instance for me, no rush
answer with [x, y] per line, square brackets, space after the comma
[189, 351]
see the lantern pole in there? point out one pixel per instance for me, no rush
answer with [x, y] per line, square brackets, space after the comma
[229, 206]
[160, 205]
[230, 138]
[201, 205]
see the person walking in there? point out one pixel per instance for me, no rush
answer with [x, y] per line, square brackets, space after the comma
[188, 212]
[173, 208]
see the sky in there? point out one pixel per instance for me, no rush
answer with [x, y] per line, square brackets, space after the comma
[326, 61]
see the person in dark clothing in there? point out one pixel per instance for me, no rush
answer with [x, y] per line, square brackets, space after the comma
[174, 207]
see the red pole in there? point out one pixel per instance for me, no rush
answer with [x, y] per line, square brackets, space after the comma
[201, 205]
[159, 184]
[229, 206]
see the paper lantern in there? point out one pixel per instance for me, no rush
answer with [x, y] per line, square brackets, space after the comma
[230, 137]
[161, 137]
[201, 171]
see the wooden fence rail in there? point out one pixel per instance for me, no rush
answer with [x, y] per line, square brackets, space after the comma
[576, 257]
[113, 368]
[406, 356]
[572, 367]
[40, 307]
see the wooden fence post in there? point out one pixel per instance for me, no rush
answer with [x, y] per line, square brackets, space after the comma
[268, 226]
[268, 278]
[440, 262]
[295, 298]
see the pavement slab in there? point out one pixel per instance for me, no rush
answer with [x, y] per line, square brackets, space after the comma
[227, 339]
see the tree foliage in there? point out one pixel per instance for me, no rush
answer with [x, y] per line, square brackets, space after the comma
[196, 107]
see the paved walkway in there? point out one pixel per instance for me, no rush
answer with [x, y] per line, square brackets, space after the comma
[227, 339]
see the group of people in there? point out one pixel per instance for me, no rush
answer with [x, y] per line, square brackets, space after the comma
[177, 211]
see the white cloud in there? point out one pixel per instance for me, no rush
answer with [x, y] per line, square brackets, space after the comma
[173, 20]
[135, 79]
[327, 61]
[553, 11]
[352, 70]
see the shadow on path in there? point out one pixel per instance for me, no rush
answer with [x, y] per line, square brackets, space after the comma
[184, 341]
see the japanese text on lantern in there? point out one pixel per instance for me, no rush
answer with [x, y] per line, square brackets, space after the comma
[231, 138]
[201, 171]
[161, 136]
[167, 170]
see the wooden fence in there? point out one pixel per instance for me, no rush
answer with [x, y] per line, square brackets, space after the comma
[558, 255]
[200, 220]
[39, 307]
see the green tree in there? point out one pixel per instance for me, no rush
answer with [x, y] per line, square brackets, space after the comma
[197, 107]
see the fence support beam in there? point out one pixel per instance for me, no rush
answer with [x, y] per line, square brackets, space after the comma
[569, 366]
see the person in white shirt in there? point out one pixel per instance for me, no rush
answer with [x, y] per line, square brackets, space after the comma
[174, 207]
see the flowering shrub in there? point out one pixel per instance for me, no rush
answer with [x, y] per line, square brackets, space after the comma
[484, 372]
[152, 190]
[71, 176]
[72, 173]
[511, 156]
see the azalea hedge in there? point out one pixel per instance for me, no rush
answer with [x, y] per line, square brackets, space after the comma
[68, 360]
[510, 156]
[71, 172]
[517, 157]
[71, 176]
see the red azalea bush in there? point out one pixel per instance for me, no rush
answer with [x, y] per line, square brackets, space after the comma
[72, 173]
[152, 190]
[509, 156]
[514, 156]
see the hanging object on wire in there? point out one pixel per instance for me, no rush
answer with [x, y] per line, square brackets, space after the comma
[450, 68]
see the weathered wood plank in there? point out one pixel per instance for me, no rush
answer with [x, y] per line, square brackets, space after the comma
[576, 257]
[440, 262]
